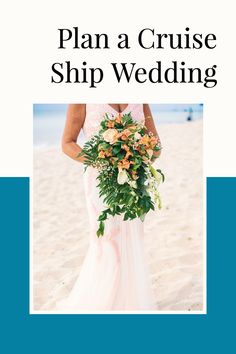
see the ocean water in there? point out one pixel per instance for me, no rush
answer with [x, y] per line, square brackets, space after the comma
[49, 120]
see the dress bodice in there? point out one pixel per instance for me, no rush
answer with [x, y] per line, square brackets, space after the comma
[95, 112]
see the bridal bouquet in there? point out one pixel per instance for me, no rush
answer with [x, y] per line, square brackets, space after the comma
[122, 151]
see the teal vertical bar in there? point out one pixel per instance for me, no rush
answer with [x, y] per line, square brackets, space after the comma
[221, 254]
[14, 260]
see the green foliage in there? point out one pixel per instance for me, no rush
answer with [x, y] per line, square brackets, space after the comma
[100, 230]
[127, 119]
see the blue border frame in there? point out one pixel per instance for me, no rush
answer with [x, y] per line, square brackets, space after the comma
[26, 333]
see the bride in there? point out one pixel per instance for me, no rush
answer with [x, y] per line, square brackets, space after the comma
[114, 275]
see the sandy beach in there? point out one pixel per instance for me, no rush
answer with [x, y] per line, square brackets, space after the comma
[173, 236]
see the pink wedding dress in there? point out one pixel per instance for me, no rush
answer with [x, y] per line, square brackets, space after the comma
[114, 275]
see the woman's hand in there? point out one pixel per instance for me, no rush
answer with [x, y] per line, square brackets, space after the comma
[74, 122]
[150, 125]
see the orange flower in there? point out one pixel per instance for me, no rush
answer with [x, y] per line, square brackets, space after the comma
[153, 141]
[125, 134]
[132, 127]
[118, 118]
[110, 124]
[141, 151]
[124, 164]
[134, 175]
[101, 154]
[108, 152]
[125, 147]
[144, 140]
[128, 154]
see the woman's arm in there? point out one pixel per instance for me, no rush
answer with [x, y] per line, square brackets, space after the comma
[74, 121]
[149, 123]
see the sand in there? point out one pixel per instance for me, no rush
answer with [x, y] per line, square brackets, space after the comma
[174, 239]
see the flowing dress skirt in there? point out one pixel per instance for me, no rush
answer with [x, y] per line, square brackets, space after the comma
[114, 274]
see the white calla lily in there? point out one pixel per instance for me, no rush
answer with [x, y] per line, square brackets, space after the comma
[133, 184]
[157, 175]
[122, 177]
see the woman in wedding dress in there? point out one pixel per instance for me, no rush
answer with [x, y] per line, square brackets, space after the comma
[114, 275]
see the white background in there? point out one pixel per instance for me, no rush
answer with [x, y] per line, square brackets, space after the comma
[29, 41]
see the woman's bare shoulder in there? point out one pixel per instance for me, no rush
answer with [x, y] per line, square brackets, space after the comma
[77, 109]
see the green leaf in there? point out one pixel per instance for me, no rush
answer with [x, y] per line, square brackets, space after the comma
[102, 216]
[162, 174]
[121, 155]
[126, 216]
[100, 230]
[80, 154]
[142, 217]
[152, 207]
[116, 149]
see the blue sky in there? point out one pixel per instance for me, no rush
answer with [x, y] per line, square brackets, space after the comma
[61, 108]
